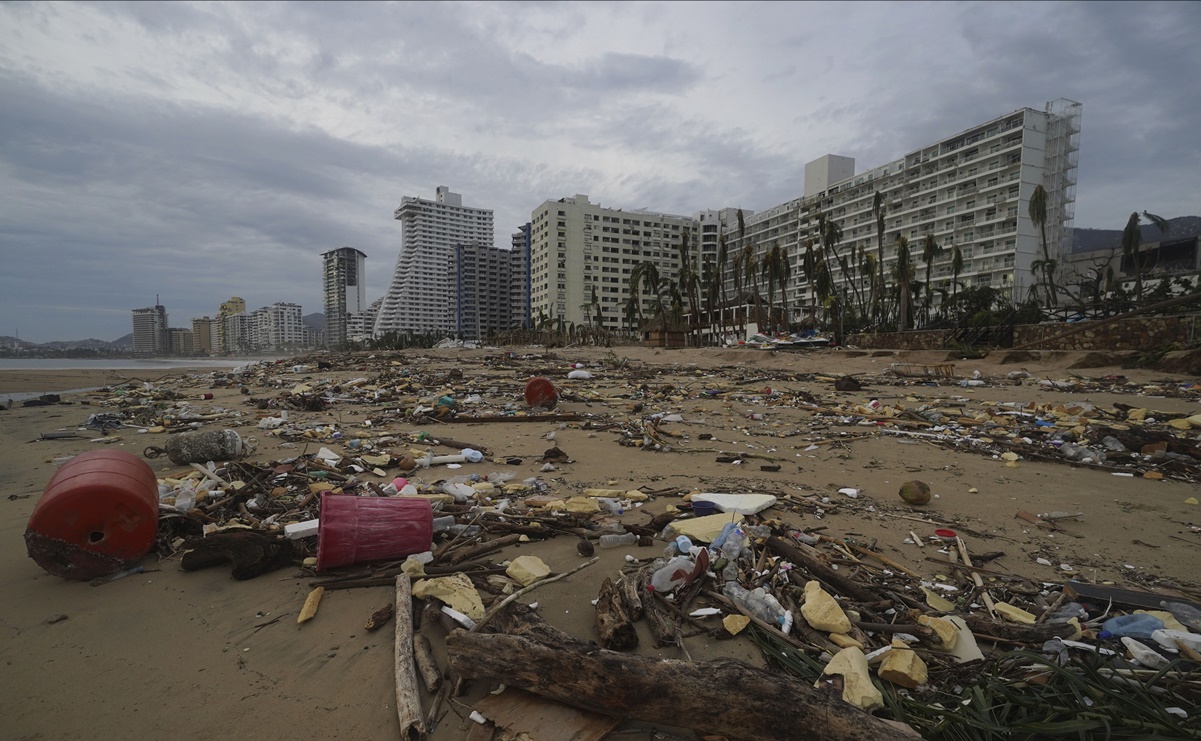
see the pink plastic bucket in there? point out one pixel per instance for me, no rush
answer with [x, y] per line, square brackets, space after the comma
[358, 529]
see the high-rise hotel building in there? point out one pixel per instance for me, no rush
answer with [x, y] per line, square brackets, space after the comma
[421, 295]
[345, 289]
[970, 190]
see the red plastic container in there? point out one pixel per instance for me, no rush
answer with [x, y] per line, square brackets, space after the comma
[358, 529]
[540, 392]
[97, 515]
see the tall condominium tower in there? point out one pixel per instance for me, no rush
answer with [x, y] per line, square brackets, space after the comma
[969, 191]
[345, 291]
[581, 251]
[227, 341]
[421, 295]
[150, 330]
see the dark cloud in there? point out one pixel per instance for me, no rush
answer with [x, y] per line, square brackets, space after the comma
[199, 151]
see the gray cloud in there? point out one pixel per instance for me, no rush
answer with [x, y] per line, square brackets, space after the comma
[202, 151]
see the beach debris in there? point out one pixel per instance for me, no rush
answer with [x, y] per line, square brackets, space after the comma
[97, 515]
[380, 617]
[311, 603]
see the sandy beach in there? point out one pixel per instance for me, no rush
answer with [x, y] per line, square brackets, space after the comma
[199, 655]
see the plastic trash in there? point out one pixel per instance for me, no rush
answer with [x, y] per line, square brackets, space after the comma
[1169, 638]
[759, 603]
[1187, 614]
[359, 529]
[200, 447]
[443, 523]
[1144, 655]
[612, 506]
[1138, 625]
[672, 575]
[579, 375]
[613, 540]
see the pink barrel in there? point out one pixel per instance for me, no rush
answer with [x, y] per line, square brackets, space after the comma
[358, 529]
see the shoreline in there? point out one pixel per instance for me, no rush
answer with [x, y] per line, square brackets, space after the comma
[32, 382]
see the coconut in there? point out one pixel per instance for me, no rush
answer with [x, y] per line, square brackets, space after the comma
[915, 492]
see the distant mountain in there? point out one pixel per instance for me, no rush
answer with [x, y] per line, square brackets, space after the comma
[1089, 240]
[314, 321]
[58, 346]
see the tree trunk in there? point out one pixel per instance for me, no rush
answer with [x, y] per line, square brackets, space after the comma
[614, 618]
[722, 697]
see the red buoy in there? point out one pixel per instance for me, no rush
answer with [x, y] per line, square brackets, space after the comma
[540, 392]
[97, 515]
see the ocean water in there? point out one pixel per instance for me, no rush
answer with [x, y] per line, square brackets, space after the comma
[121, 363]
[130, 364]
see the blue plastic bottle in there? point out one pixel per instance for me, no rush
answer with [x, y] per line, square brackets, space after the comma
[1134, 626]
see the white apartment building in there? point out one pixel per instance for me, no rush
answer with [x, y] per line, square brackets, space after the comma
[278, 326]
[150, 330]
[971, 189]
[360, 324]
[345, 290]
[420, 296]
[577, 246]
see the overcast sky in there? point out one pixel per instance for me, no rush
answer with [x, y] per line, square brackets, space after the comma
[200, 151]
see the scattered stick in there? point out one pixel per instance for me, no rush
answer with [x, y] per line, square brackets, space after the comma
[497, 608]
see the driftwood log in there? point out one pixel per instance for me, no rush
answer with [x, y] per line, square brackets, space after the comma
[614, 618]
[408, 699]
[723, 697]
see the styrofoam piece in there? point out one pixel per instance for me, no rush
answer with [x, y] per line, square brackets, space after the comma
[298, 530]
[743, 504]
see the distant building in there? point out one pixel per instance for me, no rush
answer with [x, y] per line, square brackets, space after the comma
[345, 290]
[150, 335]
[360, 324]
[236, 334]
[204, 335]
[181, 340]
[233, 306]
[580, 249]
[519, 288]
[279, 326]
[419, 297]
[483, 280]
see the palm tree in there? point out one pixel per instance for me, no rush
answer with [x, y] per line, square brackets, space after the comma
[878, 211]
[645, 275]
[785, 277]
[809, 268]
[723, 256]
[1132, 242]
[904, 273]
[772, 270]
[956, 269]
[930, 252]
[1038, 214]
[688, 281]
